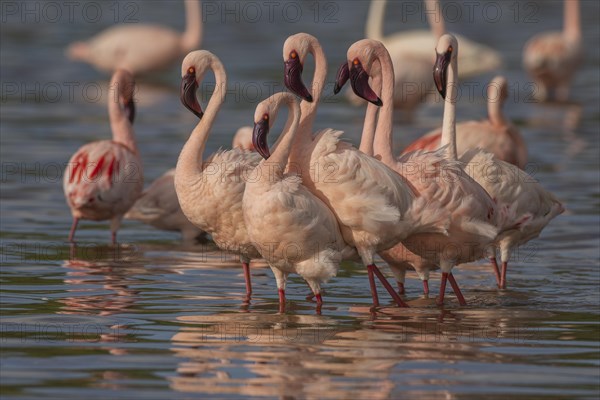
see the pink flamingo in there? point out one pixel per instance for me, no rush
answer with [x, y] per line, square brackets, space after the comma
[375, 207]
[140, 48]
[293, 229]
[436, 176]
[105, 178]
[159, 207]
[210, 193]
[552, 58]
[495, 134]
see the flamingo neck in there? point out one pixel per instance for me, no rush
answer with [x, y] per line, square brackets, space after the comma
[122, 129]
[449, 122]
[189, 164]
[383, 133]
[494, 106]
[283, 148]
[368, 133]
[572, 25]
[375, 20]
[435, 18]
[192, 37]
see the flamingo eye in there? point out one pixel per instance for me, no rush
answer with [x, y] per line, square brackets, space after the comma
[356, 62]
[191, 70]
[450, 49]
[266, 117]
[293, 54]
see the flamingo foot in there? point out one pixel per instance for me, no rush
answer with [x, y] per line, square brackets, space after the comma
[281, 300]
[400, 287]
[496, 270]
[246, 267]
[73, 229]
[456, 289]
[373, 287]
[374, 270]
[425, 287]
[440, 299]
[503, 276]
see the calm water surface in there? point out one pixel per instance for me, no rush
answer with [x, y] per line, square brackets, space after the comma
[151, 318]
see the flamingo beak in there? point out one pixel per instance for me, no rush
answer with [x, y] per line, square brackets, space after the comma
[259, 138]
[292, 78]
[360, 84]
[440, 72]
[130, 110]
[188, 94]
[342, 76]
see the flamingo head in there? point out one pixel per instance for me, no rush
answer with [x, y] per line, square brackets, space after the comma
[361, 58]
[122, 80]
[295, 49]
[193, 68]
[342, 76]
[264, 116]
[446, 51]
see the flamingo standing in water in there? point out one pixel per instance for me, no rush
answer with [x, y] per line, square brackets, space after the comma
[293, 230]
[375, 207]
[551, 58]
[210, 193]
[140, 48]
[495, 134]
[159, 207]
[437, 178]
[105, 178]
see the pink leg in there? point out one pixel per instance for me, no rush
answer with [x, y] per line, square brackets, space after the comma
[400, 287]
[373, 287]
[114, 237]
[425, 286]
[440, 299]
[496, 270]
[456, 289]
[73, 228]
[503, 277]
[281, 300]
[246, 267]
[387, 285]
[319, 299]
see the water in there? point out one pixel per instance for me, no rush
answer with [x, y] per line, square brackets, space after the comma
[152, 318]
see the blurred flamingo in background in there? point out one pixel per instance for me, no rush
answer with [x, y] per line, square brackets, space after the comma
[210, 192]
[495, 134]
[552, 58]
[140, 48]
[293, 229]
[105, 178]
[159, 207]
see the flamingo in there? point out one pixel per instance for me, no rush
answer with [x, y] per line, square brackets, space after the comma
[293, 230]
[210, 193]
[495, 134]
[436, 177]
[140, 48]
[552, 58]
[474, 59]
[159, 207]
[105, 178]
[375, 207]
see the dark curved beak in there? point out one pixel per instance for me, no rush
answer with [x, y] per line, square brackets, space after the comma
[292, 78]
[259, 138]
[130, 110]
[342, 76]
[360, 84]
[440, 72]
[188, 94]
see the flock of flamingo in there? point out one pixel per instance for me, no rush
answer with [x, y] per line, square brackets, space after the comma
[432, 207]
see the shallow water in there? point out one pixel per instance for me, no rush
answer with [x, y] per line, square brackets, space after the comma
[151, 318]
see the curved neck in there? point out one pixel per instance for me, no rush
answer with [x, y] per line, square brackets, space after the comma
[192, 37]
[368, 134]
[375, 19]
[449, 122]
[286, 139]
[435, 18]
[494, 106]
[189, 164]
[309, 110]
[122, 129]
[383, 136]
[572, 26]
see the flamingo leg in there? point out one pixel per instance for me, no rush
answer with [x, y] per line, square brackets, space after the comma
[456, 289]
[373, 269]
[113, 237]
[319, 299]
[440, 299]
[246, 267]
[496, 270]
[281, 300]
[425, 286]
[503, 277]
[373, 287]
[73, 229]
[400, 287]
